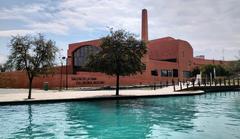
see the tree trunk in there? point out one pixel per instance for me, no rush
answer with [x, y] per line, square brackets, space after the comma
[117, 85]
[30, 88]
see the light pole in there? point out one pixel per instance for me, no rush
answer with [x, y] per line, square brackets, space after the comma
[60, 86]
[63, 58]
[61, 62]
[68, 57]
[66, 73]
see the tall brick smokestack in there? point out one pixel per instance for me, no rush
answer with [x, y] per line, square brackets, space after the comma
[144, 25]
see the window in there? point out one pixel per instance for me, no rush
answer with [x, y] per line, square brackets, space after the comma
[81, 55]
[164, 73]
[175, 73]
[170, 73]
[169, 60]
[154, 73]
[186, 74]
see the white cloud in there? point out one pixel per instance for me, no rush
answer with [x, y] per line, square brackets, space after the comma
[53, 27]
[205, 24]
[7, 33]
[3, 58]
[20, 12]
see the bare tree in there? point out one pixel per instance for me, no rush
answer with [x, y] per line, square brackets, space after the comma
[33, 54]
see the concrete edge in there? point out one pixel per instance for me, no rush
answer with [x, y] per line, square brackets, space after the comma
[211, 88]
[99, 98]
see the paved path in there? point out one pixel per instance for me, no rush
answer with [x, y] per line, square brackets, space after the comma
[8, 96]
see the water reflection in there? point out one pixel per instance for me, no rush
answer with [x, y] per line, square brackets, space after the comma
[218, 115]
[214, 115]
[34, 121]
[233, 109]
[134, 118]
[26, 130]
[29, 126]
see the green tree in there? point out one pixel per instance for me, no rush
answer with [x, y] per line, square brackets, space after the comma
[195, 71]
[221, 70]
[33, 54]
[209, 69]
[234, 68]
[121, 55]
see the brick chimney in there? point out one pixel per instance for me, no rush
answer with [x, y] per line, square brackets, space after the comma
[144, 25]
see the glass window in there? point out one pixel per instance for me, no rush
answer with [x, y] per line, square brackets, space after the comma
[81, 55]
[175, 72]
[170, 73]
[164, 73]
[186, 74]
[154, 72]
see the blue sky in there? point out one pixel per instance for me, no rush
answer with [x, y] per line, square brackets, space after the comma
[210, 26]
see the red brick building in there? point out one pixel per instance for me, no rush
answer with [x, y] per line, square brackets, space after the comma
[170, 58]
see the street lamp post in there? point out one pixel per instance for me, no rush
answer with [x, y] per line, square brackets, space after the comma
[63, 58]
[60, 85]
[67, 73]
[68, 57]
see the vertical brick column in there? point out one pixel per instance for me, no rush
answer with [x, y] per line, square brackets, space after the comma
[144, 25]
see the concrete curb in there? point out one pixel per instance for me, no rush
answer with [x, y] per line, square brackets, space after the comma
[108, 97]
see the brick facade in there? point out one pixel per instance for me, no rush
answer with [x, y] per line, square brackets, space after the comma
[168, 56]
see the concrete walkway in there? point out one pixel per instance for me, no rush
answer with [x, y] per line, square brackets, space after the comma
[18, 96]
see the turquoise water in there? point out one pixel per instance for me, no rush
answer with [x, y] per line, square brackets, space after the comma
[210, 116]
